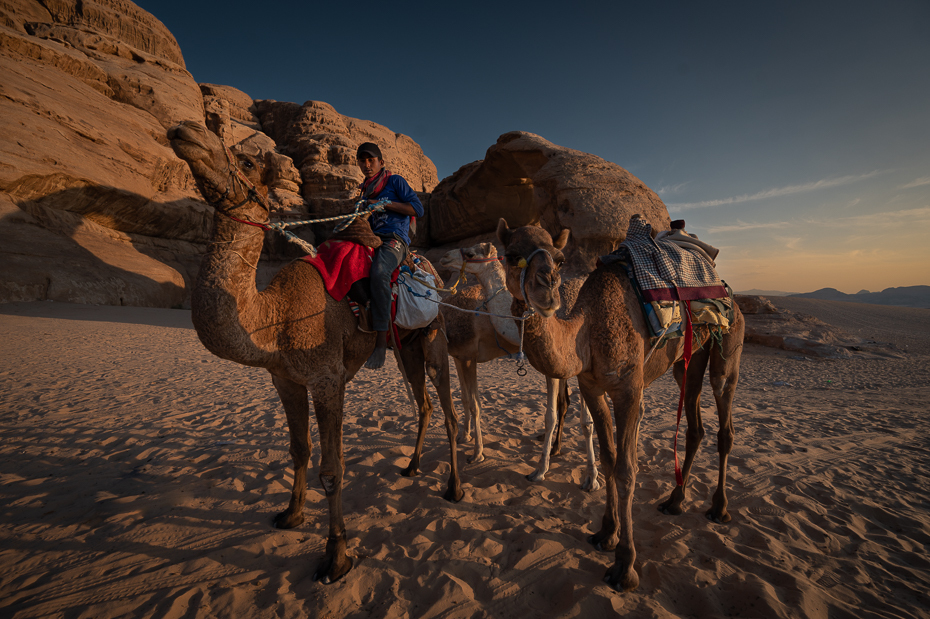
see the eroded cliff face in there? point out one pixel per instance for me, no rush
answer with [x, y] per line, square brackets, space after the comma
[96, 208]
[528, 180]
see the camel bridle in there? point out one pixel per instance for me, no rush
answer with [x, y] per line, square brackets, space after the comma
[236, 177]
[524, 264]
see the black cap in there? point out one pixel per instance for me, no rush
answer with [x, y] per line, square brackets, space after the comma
[678, 224]
[368, 148]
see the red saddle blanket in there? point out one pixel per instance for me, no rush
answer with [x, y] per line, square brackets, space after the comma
[341, 264]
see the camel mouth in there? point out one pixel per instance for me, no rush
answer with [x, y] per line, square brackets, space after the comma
[547, 313]
[546, 308]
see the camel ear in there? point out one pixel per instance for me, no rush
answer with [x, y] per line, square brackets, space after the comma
[503, 232]
[562, 239]
[488, 250]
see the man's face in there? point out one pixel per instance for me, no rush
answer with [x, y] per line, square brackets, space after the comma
[369, 165]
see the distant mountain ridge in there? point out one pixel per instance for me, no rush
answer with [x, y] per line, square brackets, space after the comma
[756, 292]
[904, 296]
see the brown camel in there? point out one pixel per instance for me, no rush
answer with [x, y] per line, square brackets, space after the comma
[477, 338]
[308, 341]
[604, 343]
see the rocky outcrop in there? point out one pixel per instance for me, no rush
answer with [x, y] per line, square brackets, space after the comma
[322, 142]
[772, 327]
[95, 206]
[528, 180]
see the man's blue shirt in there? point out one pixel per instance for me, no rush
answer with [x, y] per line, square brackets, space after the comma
[387, 223]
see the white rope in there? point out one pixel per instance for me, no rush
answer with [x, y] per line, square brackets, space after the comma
[378, 206]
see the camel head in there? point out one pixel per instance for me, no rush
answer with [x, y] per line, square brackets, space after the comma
[229, 180]
[532, 261]
[474, 259]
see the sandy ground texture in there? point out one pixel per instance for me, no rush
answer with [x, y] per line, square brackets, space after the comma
[140, 475]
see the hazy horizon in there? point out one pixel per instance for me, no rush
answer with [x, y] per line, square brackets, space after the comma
[793, 136]
[785, 293]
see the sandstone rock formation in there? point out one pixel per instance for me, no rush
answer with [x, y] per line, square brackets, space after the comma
[94, 206]
[526, 179]
[322, 143]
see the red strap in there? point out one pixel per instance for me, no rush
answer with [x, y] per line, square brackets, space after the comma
[250, 223]
[679, 478]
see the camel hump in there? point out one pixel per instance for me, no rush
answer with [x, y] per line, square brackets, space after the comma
[359, 231]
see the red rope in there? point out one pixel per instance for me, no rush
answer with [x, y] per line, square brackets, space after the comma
[679, 478]
[249, 223]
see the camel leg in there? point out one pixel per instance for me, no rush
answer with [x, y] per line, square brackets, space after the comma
[297, 409]
[724, 374]
[695, 432]
[627, 406]
[606, 537]
[590, 483]
[553, 387]
[328, 401]
[468, 381]
[411, 355]
[436, 357]
[460, 369]
[561, 409]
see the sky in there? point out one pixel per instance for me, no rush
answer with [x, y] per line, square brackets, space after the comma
[792, 135]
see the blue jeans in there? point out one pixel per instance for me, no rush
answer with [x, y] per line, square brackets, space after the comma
[387, 258]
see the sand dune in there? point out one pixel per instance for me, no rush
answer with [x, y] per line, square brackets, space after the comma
[140, 475]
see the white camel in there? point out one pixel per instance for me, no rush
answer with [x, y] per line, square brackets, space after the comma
[477, 338]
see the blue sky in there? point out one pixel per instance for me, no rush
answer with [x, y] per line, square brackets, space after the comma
[794, 136]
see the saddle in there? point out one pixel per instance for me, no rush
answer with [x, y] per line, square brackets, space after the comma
[672, 272]
[344, 264]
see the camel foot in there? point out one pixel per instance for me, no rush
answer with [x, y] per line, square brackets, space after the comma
[537, 476]
[670, 509]
[590, 484]
[604, 541]
[621, 579]
[466, 438]
[720, 517]
[288, 520]
[454, 494]
[672, 506]
[475, 459]
[410, 471]
[336, 563]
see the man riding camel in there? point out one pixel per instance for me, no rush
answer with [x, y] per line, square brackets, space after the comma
[393, 227]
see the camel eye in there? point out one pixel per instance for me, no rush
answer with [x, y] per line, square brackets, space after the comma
[247, 164]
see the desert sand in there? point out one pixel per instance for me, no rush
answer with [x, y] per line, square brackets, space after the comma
[140, 475]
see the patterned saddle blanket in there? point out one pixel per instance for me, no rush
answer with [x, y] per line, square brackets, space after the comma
[669, 270]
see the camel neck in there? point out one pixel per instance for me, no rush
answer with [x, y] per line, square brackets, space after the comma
[550, 344]
[493, 282]
[226, 306]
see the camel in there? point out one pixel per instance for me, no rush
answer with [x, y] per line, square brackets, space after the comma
[308, 341]
[478, 338]
[604, 342]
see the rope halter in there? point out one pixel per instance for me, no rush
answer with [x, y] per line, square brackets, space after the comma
[524, 264]
[236, 176]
